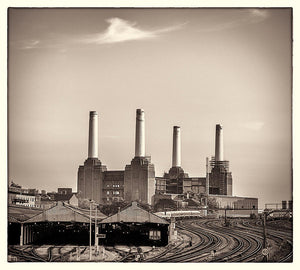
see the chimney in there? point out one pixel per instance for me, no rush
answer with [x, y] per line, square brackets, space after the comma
[176, 158]
[140, 133]
[219, 143]
[93, 135]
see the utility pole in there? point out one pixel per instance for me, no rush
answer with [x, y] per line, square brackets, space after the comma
[90, 240]
[265, 258]
[264, 230]
[96, 239]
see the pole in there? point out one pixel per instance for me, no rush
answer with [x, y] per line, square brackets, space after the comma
[264, 231]
[21, 234]
[265, 234]
[90, 232]
[96, 240]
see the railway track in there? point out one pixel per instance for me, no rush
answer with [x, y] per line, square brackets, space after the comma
[208, 241]
[247, 249]
[26, 254]
[30, 254]
[277, 234]
[211, 242]
[217, 243]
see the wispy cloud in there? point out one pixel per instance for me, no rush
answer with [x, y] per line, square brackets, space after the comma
[29, 44]
[42, 43]
[249, 16]
[254, 125]
[257, 15]
[120, 30]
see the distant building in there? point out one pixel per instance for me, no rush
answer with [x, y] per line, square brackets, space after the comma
[136, 182]
[74, 200]
[235, 205]
[235, 202]
[64, 190]
[33, 191]
[219, 176]
[19, 196]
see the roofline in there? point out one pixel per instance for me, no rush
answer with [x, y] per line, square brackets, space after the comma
[224, 196]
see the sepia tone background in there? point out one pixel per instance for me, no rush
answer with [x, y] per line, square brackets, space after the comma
[189, 67]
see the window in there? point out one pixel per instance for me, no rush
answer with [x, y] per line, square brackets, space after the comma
[154, 235]
[107, 192]
[116, 192]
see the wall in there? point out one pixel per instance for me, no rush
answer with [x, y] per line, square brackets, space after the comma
[139, 180]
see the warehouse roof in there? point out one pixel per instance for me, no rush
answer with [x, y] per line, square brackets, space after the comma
[134, 214]
[63, 213]
[19, 213]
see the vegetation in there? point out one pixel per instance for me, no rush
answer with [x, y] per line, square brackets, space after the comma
[113, 208]
[212, 204]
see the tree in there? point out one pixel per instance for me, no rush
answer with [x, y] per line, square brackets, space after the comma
[212, 204]
[111, 209]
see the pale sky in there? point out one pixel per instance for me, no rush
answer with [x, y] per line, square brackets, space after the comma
[194, 68]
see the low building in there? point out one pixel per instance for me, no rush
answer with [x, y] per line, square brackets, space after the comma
[64, 190]
[74, 200]
[20, 196]
[235, 206]
[134, 226]
[62, 224]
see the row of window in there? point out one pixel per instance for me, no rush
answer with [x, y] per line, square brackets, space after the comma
[28, 199]
[115, 192]
[113, 185]
[116, 199]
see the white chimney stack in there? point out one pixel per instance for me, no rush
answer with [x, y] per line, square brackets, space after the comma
[176, 158]
[93, 135]
[219, 143]
[140, 133]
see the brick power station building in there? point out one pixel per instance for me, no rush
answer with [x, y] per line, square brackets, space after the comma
[138, 182]
[135, 183]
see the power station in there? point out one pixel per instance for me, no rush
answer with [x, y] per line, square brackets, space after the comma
[139, 183]
[135, 183]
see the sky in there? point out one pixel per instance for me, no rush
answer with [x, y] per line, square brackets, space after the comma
[194, 68]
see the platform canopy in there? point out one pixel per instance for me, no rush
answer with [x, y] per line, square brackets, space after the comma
[18, 213]
[64, 213]
[134, 214]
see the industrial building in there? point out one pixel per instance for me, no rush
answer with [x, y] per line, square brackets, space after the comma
[138, 182]
[176, 181]
[218, 179]
[61, 224]
[135, 183]
[215, 187]
[135, 226]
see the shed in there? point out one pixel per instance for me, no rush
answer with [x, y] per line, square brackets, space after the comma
[134, 226]
[61, 224]
[134, 214]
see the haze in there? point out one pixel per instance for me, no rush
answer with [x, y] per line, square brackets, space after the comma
[194, 68]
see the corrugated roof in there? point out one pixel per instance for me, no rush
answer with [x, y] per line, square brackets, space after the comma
[62, 197]
[134, 214]
[62, 213]
[20, 213]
